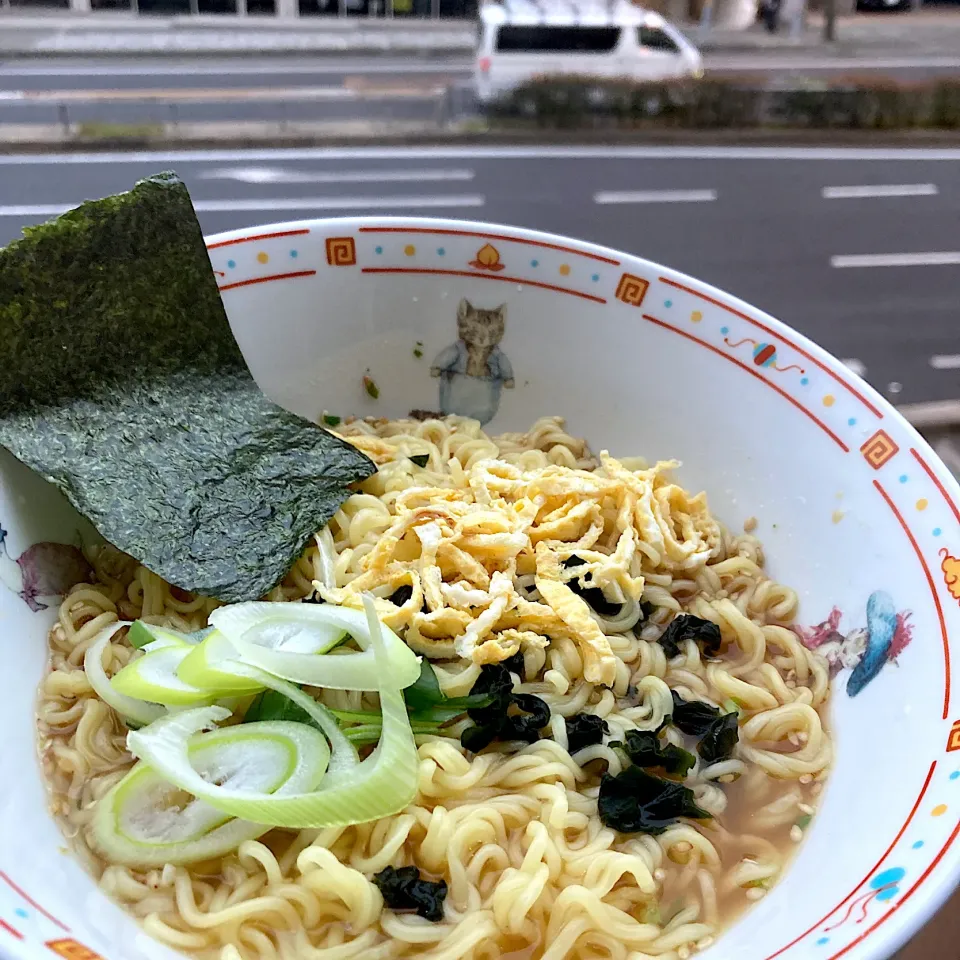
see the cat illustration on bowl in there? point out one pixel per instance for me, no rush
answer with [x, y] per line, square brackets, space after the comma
[474, 370]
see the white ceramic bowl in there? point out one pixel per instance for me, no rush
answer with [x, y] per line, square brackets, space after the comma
[849, 499]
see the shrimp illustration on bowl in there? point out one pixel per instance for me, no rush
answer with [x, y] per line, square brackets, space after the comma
[862, 650]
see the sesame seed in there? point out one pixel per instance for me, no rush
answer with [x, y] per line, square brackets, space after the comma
[684, 953]
[750, 524]
[806, 778]
[659, 874]
[706, 942]
[796, 834]
[756, 893]
[806, 808]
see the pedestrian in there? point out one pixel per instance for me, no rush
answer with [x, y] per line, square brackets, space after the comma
[770, 14]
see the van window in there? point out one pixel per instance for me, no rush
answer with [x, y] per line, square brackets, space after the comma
[551, 39]
[656, 39]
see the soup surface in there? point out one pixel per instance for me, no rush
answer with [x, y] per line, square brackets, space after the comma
[662, 788]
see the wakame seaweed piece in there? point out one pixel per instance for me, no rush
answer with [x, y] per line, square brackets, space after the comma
[692, 717]
[517, 727]
[592, 596]
[401, 595]
[121, 383]
[404, 889]
[585, 730]
[646, 749]
[494, 721]
[721, 738]
[634, 801]
[515, 664]
[685, 627]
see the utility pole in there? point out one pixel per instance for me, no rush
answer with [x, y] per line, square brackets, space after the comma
[830, 20]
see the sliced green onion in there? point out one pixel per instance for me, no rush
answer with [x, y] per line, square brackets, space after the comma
[132, 708]
[222, 659]
[145, 821]
[143, 635]
[380, 786]
[291, 628]
[204, 667]
[154, 677]
[328, 557]
[286, 638]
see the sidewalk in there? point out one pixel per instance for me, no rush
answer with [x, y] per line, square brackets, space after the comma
[923, 33]
[126, 35]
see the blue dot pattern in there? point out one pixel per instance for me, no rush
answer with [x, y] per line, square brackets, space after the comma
[378, 250]
[822, 941]
[852, 422]
[903, 478]
[294, 254]
[804, 381]
[936, 532]
[918, 845]
[441, 252]
[231, 264]
[534, 263]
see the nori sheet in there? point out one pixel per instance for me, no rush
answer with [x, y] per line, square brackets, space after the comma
[121, 383]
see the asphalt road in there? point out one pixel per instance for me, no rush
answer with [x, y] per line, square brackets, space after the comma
[860, 250]
[223, 90]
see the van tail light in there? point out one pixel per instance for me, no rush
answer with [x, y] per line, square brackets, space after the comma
[484, 64]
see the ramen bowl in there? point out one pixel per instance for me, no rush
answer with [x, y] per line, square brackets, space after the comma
[378, 317]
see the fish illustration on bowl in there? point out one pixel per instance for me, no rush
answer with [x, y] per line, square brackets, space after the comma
[44, 570]
[862, 650]
[474, 370]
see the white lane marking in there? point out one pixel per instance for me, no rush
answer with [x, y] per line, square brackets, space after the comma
[654, 196]
[880, 190]
[274, 175]
[224, 70]
[941, 259]
[786, 64]
[488, 153]
[945, 361]
[267, 204]
[857, 366]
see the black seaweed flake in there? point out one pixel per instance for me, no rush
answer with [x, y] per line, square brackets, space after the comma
[685, 627]
[646, 749]
[692, 717]
[122, 384]
[637, 802]
[494, 721]
[403, 889]
[592, 596]
[721, 738]
[585, 730]
[421, 459]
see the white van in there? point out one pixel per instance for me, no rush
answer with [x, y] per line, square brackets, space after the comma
[520, 39]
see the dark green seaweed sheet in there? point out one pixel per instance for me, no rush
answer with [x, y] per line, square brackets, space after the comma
[121, 383]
